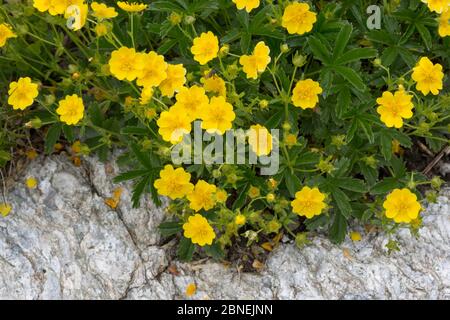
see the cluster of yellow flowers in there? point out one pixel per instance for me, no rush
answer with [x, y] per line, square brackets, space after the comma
[175, 184]
[393, 108]
[152, 74]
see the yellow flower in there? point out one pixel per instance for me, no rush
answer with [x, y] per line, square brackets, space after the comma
[193, 101]
[203, 196]
[438, 6]
[191, 289]
[257, 62]
[31, 154]
[71, 109]
[205, 48]
[214, 84]
[199, 230]
[22, 93]
[260, 140]
[249, 66]
[146, 95]
[131, 6]
[395, 107]
[444, 24]
[31, 183]
[306, 94]
[154, 69]
[5, 34]
[355, 236]
[125, 63]
[174, 183]
[79, 11]
[308, 202]
[101, 30]
[428, 76]
[249, 5]
[54, 7]
[297, 18]
[218, 116]
[176, 78]
[254, 192]
[290, 140]
[173, 125]
[402, 206]
[240, 220]
[221, 196]
[5, 209]
[102, 11]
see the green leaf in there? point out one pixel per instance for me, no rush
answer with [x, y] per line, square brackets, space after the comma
[170, 228]
[242, 196]
[355, 55]
[319, 50]
[52, 137]
[343, 101]
[385, 186]
[293, 183]
[185, 250]
[386, 146]
[214, 251]
[130, 175]
[425, 34]
[342, 202]
[351, 76]
[338, 229]
[355, 185]
[139, 131]
[140, 156]
[68, 133]
[138, 191]
[342, 40]
[367, 128]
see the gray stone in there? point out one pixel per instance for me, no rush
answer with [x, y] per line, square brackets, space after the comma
[63, 242]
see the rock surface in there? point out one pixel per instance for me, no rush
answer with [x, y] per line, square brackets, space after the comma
[63, 242]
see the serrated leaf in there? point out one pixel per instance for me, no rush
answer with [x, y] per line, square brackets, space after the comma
[384, 186]
[351, 76]
[293, 183]
[355, 55]
[342, 40]
[130, 175]
[319, 50]
[185, 250]
[342, 201]
[170, 228]
[52, 137]
[338, 229]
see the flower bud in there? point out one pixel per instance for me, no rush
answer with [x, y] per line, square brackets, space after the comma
[263, 104]
[377, 62]
[299, 60]
[216, 174]
[224, 50]
[437, 182]
[49, 99]
[287, 126]
[35, 123]
[270, 197]
[189, 20]
[284, 48]
[175, 18]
